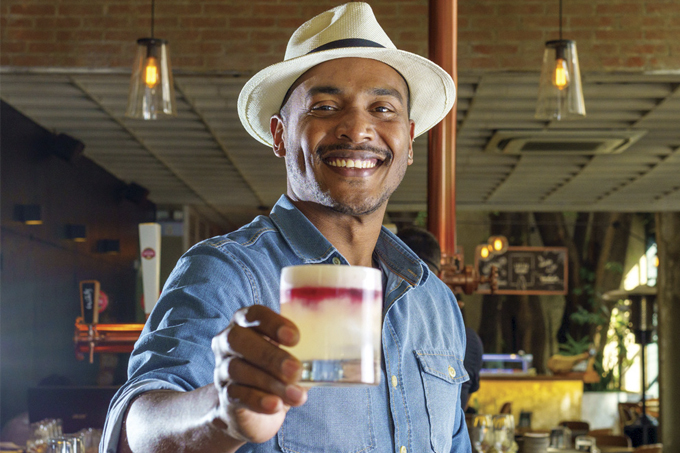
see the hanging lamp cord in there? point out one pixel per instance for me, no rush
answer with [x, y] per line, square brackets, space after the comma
[153, 10]
[560, 20]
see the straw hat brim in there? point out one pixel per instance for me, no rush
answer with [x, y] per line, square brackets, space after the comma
[432, 90]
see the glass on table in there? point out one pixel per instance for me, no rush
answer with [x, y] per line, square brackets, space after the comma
[504, 432]
[586, 443]
[66, 444]
[39, 433]
[560, 438]
[91, 438]
[480, 429]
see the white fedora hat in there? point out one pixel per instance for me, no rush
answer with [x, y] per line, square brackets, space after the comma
[349, 30]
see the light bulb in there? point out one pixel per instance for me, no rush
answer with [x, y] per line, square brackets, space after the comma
[497, 245]
[151, 72]
[484, 252]
[561, 74]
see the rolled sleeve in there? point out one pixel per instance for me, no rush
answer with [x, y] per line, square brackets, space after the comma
[174, 349]
[119, 405]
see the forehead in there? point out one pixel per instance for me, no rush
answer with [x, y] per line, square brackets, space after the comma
[355, 73]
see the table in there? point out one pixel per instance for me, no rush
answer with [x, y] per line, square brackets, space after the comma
[602, 450]
[616, 449]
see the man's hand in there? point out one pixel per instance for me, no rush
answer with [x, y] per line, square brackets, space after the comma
[254, 377]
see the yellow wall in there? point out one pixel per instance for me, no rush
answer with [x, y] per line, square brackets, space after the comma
[550, 400]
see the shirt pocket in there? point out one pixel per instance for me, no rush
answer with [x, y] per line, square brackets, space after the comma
[442, 373]
[333, 420]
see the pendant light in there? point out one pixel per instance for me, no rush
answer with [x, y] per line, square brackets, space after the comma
[152, 93]
[560, 94]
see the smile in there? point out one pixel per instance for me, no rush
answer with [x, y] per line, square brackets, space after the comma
[352, 163]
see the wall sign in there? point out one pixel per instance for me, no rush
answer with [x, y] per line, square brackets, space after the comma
[527, 270]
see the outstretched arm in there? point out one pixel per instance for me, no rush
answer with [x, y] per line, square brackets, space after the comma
[254, 386]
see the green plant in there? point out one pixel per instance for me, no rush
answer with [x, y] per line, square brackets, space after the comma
[595, 314]
[574, 347]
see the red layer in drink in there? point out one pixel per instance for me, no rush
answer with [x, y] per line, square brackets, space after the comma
[315, 294]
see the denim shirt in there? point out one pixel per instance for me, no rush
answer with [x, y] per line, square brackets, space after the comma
[416, 407]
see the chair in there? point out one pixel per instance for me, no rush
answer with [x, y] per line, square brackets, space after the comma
[577, 427]
[652, 407]
[628, 413]
[613, 440]
[653, 448]
[601, 432]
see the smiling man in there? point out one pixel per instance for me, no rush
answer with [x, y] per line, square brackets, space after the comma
[348, 141]
[207, 373]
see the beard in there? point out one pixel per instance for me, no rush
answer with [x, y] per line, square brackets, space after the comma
[356, 203]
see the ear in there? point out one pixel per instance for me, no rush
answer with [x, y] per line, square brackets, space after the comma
[277, 129]
[412, 127]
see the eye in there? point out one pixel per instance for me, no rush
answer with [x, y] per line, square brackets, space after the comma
[324, 107]
[384, 109]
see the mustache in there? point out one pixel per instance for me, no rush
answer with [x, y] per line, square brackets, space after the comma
[385, 153]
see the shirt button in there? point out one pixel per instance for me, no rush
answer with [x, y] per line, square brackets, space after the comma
[452, 372]
[336, 260]
[394, 381]
[402, 449]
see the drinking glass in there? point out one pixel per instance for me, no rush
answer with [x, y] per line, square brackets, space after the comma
[503, 432]
[65, 444]
[91, 438]
[480, 428]
[560, 438]
[338, 310]
[586, 443]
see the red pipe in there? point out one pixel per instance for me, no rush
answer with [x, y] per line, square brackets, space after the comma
[441, 184]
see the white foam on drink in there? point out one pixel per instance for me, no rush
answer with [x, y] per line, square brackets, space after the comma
[330, 275]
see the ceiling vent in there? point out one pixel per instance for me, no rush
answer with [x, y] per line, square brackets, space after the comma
[562, 142]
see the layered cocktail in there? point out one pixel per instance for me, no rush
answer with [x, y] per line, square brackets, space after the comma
[338, 310]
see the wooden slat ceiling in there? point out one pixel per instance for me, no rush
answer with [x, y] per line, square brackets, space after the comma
[205, 158]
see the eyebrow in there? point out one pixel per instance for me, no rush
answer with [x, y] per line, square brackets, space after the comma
[388, 92]
[329, 89]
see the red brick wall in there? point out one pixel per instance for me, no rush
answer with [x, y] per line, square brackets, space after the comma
[246, 35]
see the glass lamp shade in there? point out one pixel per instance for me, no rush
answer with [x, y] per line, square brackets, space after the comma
[152, 92]
[560, 93]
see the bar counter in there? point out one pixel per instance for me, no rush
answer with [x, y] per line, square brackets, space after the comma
[550, 399]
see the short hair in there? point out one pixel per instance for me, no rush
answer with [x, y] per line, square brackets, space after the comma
[424, 244]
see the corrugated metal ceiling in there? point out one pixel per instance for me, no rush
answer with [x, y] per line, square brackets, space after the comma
[205, 158]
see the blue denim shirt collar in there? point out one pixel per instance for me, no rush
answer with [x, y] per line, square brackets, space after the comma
[312, 247]
[300, 234]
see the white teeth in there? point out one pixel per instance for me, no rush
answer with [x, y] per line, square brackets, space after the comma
[351, 163]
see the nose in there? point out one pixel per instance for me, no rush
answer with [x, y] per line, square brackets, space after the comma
[355, 126]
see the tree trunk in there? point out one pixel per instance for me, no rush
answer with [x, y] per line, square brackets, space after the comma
[609, 271]
[668, 300]
[535, 340]
[489, 324]
[553, 229]
[513, 323]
